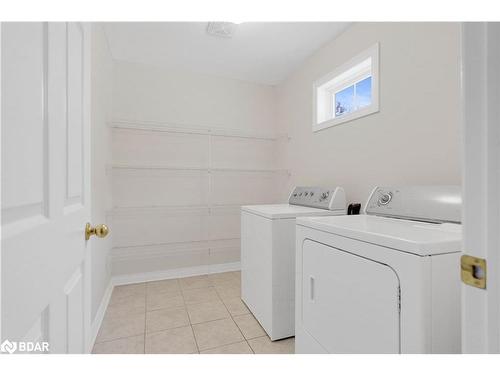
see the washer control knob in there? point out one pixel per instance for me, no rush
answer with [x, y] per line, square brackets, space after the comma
[385, 199]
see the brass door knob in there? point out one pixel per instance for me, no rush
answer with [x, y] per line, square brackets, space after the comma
[100, 231]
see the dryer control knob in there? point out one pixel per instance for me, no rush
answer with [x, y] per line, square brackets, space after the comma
[385, 199]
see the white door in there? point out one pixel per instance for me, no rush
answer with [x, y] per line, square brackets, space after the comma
[45, 185]
[481, 98]
[350, 304]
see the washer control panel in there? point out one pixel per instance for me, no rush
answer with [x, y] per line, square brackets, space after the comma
[317, 197]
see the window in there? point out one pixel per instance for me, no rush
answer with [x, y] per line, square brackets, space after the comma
[347, 93]
[354, 97]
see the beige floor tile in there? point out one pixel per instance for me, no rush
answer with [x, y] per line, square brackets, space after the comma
[172, 341]
[126, 305]
[129, 289]
[159, 320]
[125, 309]
[217, 333]
[227, 290]
[207, 311]
[195, 282]
[129, 345]
[169, 300]
[263, 345]
[225, 276]
[200, 295]
[135, 299]
[249, 326]
[229, 282]
[117, 327]
[238, 348]
[235, 306]
[162, 286]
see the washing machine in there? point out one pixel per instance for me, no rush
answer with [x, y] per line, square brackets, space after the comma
[268, 254]
[386, 281]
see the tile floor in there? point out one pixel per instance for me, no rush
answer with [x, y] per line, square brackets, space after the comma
[199, 314]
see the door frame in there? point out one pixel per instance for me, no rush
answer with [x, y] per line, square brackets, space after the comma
[480, 85]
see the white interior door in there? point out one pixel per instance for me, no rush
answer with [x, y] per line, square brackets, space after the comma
[45, 185]
[350, 304]
[481, 98]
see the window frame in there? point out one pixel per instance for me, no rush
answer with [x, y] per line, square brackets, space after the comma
[324, 94]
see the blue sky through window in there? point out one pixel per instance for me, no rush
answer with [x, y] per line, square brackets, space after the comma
[364, 93]
[344, 101]
[349, 99]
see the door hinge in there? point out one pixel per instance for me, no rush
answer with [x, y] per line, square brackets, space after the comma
[473, 271]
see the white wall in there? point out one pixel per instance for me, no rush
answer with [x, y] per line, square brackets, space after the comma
[101, 81]
[147, 93]
[177, 194]
[414, 139]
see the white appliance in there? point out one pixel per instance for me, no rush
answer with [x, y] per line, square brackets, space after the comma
[268, 254]
[387, 281]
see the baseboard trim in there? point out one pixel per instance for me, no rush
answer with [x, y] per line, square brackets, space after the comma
[99, 317]
[175, 273]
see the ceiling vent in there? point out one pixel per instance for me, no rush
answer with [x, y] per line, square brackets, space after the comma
[221, 29]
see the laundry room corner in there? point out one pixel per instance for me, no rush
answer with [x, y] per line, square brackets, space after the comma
[180, 175]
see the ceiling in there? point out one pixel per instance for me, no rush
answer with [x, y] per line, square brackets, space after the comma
[264, 53]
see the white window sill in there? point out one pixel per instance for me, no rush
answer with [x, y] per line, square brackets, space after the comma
[346, 118]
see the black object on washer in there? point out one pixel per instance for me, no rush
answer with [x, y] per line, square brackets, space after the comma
[353, 209]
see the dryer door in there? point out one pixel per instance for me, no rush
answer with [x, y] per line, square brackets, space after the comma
[350, 303]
